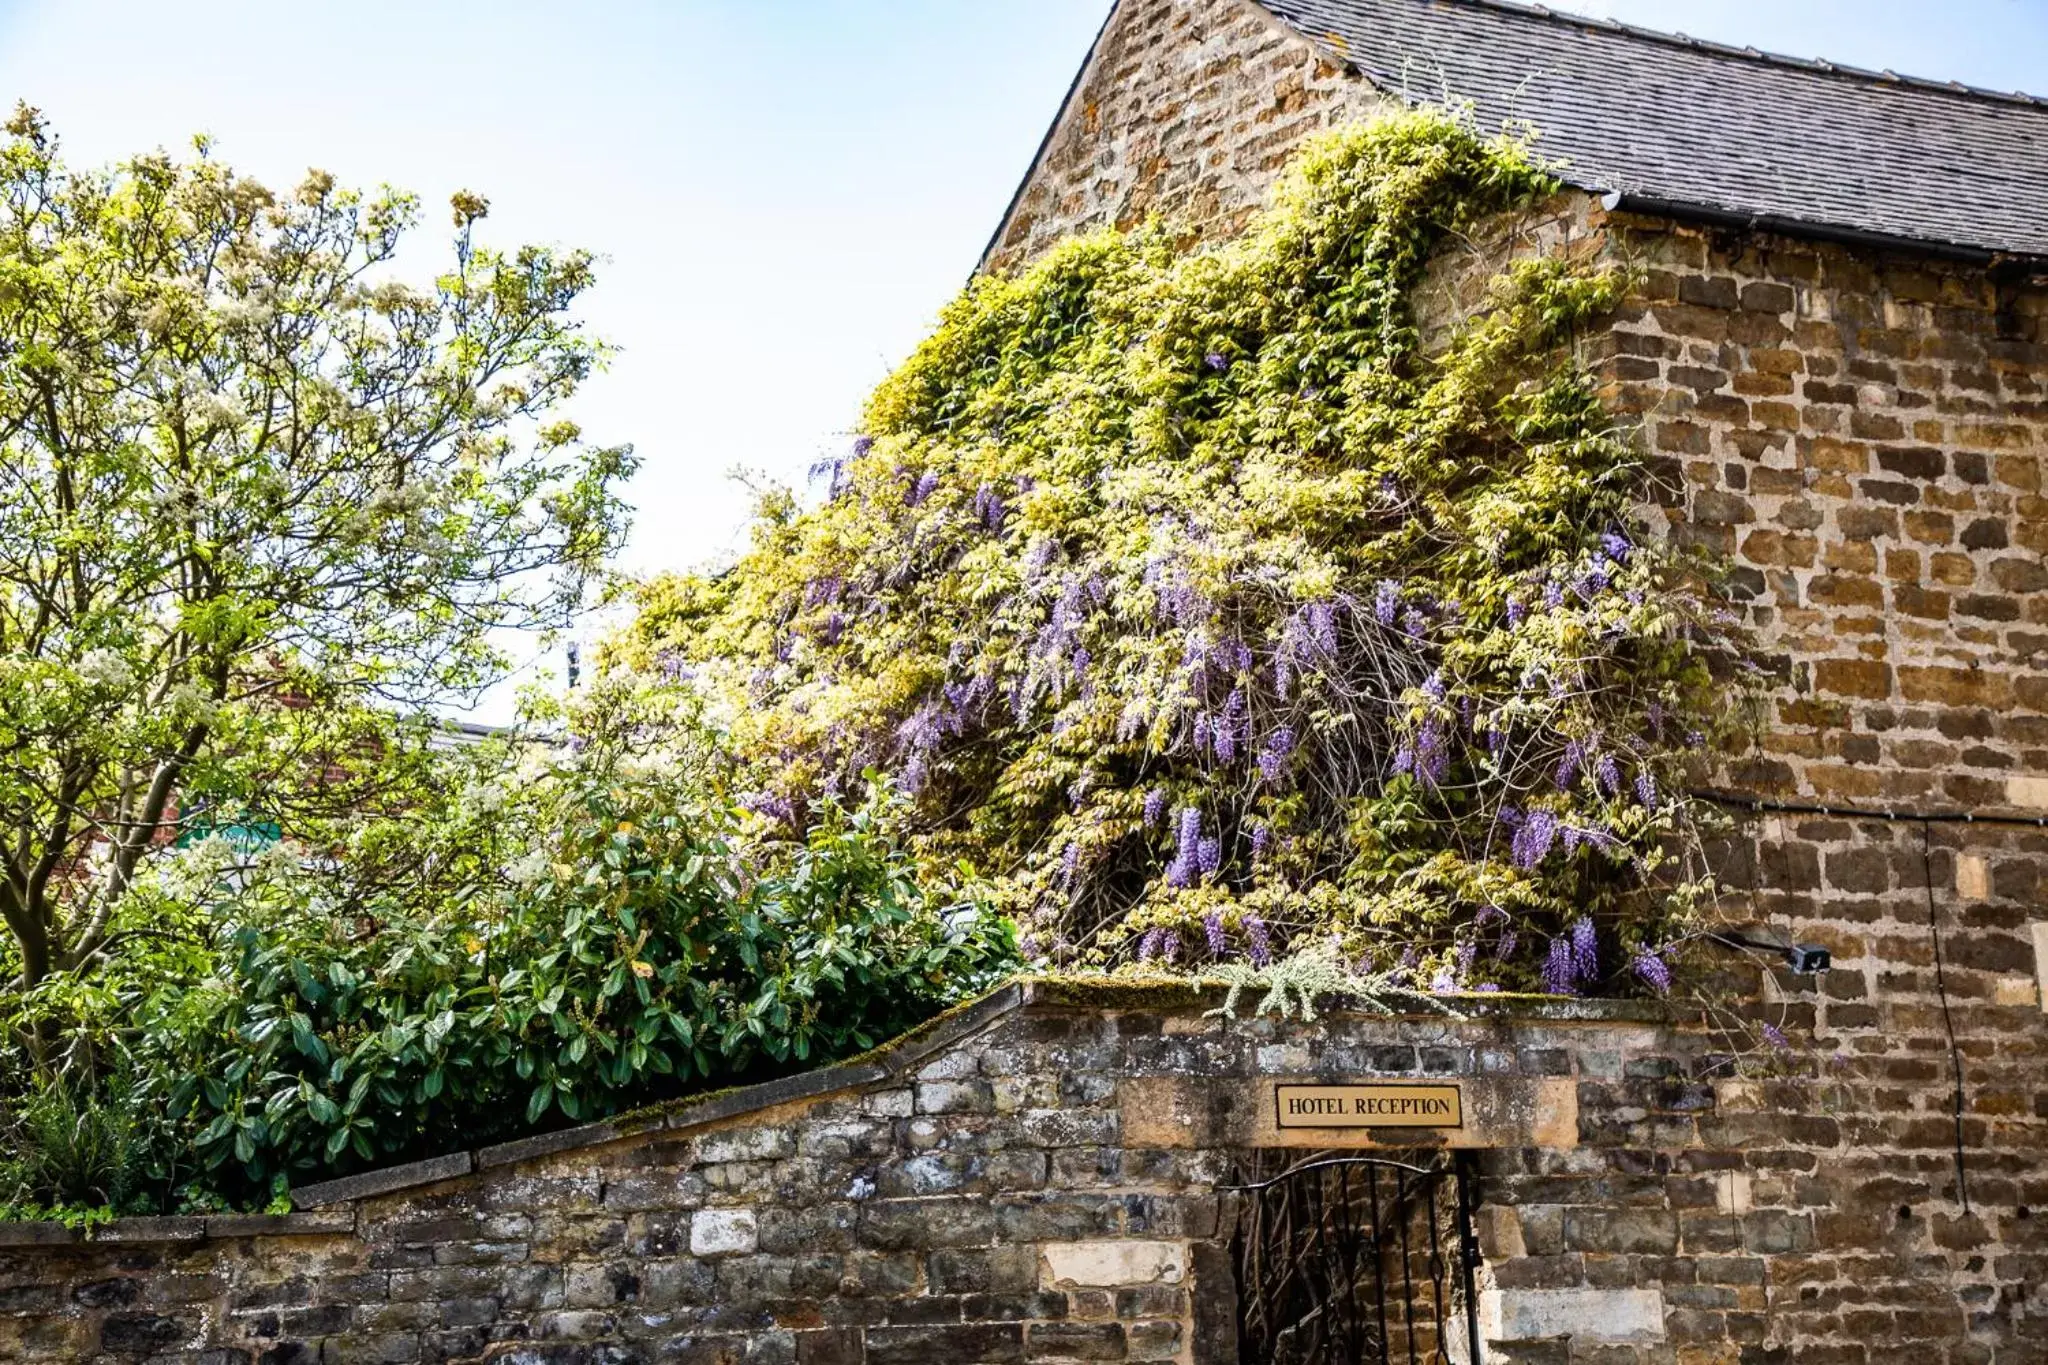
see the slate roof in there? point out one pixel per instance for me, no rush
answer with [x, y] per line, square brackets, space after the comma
[1681, 124]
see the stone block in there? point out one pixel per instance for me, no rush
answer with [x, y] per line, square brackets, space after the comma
[1113, 1263]
[2040, 935]
[723, 1232]
[983, 1343]
[2027, 792]
[1633, 1316]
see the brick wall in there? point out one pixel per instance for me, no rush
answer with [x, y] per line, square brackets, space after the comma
[1038, 1180]
[1188, 109]
[1863, 435]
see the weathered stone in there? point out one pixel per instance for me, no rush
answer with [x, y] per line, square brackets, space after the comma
[1112, 1263]
[723, 1232]
[1580, 1315]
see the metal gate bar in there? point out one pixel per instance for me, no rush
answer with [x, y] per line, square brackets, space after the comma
[1313, 1248]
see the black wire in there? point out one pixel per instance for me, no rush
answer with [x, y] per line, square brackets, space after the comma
[1940, 817]
[1955, 1052]
[1926, 820]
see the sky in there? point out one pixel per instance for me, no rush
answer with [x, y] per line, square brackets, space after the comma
[783, 192]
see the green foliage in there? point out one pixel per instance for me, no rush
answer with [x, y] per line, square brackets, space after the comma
[568, 933]
[1206, 611]
[253, 492]
[1297, 984]
[72, 1148]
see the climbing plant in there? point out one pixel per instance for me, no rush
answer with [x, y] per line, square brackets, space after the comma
[1211, 615]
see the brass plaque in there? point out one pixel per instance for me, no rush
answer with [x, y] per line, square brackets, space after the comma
[1369, 1106]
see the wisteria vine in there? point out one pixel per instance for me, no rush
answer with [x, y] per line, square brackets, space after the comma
[1207, 614]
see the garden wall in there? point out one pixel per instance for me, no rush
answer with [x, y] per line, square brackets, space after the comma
[1037, 1178]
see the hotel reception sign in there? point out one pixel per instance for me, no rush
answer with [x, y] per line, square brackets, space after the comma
[1369, 1106]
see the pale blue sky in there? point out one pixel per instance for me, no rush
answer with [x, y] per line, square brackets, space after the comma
[785, 190]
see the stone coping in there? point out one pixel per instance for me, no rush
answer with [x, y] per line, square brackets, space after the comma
[318, 1215]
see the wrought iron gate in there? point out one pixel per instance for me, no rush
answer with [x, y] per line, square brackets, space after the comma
[1358, 1261]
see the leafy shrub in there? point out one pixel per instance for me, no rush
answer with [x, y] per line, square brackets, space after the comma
[640, 962]
[538, 936]
[68, 1145]
[1206, 609]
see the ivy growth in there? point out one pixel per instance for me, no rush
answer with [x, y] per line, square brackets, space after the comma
[1213, 617]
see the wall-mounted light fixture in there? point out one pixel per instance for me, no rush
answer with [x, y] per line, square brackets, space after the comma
[1805, 959]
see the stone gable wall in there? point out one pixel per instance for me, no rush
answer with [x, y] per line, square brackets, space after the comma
[1187, 110]
[1862, 433]
[1040, 1182]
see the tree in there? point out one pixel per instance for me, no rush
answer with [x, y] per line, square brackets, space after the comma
[257, 498]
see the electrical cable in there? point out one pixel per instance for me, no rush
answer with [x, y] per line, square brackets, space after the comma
[1938, 817]
[1926, 820]
[1955, 1052]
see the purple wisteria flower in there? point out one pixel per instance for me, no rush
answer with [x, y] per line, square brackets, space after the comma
[1534, 839]
[1188, 840]
[1155, 806]
[1432, 753]
[1608, 773]
[1212, 929]
[1553, 596]
[1070, 864]
[1616, 546]
[1646, 790]
[1230, 727]
[1149, 946]
[832, 469]
[1434, 687]
[769, 806]
[1258, 946]
[862, 445]
[1038, 556]
[1585, 948]
[1517, 613]
[1560, 974]
[1209, 856]
[1273, 757]
[1655, 972]
[1386, 602]
[1775, 1036]
[1216, 361]
[1322, 626]
[1568, 765]
[1262, 838]
[988, 508]
[923, 487]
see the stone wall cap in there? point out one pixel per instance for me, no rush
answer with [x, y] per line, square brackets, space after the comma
[38, 1235]
[312, 1223]
[1165, 993]
[387, 1181]
[171, 1229]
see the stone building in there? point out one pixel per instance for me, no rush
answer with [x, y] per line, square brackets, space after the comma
[1838, 353]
